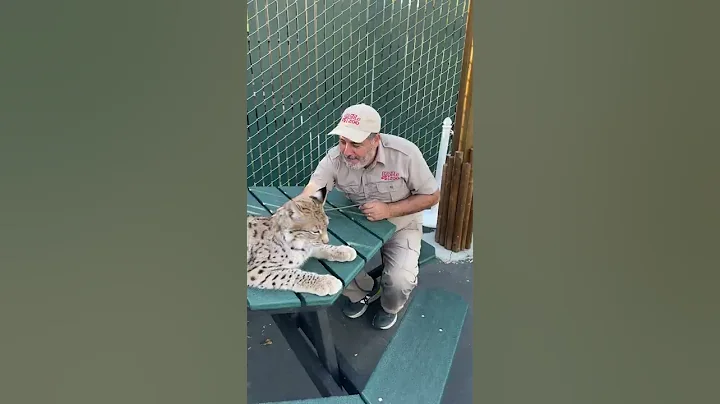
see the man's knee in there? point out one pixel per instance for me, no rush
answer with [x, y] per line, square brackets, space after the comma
[401, 279]
[401, 266]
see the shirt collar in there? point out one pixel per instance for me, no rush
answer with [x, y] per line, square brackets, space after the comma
[380, 158]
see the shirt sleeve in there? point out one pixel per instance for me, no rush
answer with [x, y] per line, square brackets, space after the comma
[420, 179]
[324, 174]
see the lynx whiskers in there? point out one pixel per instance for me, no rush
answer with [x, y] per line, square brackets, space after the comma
[280, 244]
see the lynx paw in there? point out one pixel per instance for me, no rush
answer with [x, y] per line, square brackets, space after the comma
[345, 253]
[329, 285]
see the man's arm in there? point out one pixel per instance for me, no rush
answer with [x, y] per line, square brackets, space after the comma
[424, 189]
[376, 210]
[323, 176]
[413, 204]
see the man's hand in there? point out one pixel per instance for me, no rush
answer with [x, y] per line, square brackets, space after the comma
[375, 210]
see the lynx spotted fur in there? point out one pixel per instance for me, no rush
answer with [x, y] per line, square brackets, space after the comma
[280, 244]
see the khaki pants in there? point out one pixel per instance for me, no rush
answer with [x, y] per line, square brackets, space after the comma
[400, 257]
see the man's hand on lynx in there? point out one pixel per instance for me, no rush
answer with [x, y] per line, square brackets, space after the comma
[375, 210]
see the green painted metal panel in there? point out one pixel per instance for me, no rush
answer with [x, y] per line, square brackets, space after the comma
[309, 60]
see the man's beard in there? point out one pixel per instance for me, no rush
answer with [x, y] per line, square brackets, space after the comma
[360, 163]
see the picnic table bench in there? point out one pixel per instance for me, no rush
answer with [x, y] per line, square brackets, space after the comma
[416, 343]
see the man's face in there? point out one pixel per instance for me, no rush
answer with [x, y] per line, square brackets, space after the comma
[358, 155]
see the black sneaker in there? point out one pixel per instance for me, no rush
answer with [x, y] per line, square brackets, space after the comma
[357, 309]
[384, 320]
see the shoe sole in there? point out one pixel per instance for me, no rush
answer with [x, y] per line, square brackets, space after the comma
[364, 309]
[387, 326]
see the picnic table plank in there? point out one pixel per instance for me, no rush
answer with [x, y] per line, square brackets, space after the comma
[382, 228]
[254, 207]
[353, 399]
[350, 232]
[426, 342]
[272, 199]
[258, 299]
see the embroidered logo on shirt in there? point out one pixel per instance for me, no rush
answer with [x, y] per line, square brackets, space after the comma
[389, 176]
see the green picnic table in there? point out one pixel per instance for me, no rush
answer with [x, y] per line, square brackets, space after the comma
[301, 312]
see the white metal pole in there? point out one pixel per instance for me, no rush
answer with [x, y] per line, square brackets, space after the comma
[430, 215]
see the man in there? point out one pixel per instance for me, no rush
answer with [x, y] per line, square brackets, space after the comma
[390, 178]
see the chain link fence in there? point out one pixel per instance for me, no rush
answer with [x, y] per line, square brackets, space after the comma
[309, 60]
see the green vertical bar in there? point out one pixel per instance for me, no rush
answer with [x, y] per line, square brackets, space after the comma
[368, 67]
[392, 68]
[446, 83]
[263, 94]
[382, 62]
[267, 112]
[255, 78]
[312, 108]
[292, 104]
[439, 79]
[426, 113]
[360, 56]
[347, 54]
[322, 46]
[411, 76]
[397, 62]
[423, 49]
[338, 43]
[402, 97]
[448, 104]
[284, 95]
[275, 148]
[430, 145]
[306, 52]
[429, 115]
[327, 66]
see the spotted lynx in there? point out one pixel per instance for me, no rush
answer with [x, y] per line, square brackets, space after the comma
[280, 244]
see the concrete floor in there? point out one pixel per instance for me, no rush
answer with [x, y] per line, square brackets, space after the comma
[274, 373]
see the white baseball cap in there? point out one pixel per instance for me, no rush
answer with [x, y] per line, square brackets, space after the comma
[357, 123]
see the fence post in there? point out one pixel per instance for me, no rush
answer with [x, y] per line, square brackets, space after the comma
[430, 216]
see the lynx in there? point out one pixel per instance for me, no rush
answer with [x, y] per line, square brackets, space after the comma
[280, 244]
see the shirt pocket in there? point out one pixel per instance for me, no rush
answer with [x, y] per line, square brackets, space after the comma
[352, 191]
[393, 191]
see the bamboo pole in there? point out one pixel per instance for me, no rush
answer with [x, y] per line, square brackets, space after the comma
[461, 211]
[467, 239]
[467, 217]
[467, 214]
[442, 208]
[452, 200]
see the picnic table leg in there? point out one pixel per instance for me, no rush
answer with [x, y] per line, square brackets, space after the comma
[349, 378]
[316, 325]
[317, 370]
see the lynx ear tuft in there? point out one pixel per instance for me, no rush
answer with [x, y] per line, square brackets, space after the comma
[320, 195]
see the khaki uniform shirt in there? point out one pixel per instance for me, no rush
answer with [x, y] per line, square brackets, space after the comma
[398, 172]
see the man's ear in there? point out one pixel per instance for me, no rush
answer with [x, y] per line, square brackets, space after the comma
[320, 195]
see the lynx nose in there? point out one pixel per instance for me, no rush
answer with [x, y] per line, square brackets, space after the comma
[325, 238]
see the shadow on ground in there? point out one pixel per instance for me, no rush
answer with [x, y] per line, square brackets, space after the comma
[274, 374]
